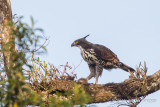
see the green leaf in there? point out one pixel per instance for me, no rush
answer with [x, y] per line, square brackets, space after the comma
[32, 21]
[2, 82]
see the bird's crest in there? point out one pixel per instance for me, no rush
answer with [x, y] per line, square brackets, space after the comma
[86, 36]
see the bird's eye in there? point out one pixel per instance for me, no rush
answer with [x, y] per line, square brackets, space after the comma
[76, 42]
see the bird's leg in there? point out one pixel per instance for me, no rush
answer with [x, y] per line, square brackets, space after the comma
[99, 70]
[92, 71]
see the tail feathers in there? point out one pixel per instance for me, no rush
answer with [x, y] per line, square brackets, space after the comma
[126, 67]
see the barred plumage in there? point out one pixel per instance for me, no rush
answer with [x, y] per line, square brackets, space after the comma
[99, 57]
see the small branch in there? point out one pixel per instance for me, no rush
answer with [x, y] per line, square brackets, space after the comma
[46, 39]
[77, 66]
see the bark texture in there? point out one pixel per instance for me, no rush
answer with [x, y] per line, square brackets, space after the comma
[7, 40]
[129, 89]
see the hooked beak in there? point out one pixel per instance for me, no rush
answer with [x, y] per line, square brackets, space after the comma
[73, 44]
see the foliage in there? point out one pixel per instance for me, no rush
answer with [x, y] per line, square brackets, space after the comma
[46, 72]
[24, 70]
[42, 76]
[28, 38]
[14, 87]
[77, 96]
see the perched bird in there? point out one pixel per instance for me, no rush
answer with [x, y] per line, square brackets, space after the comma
[98, 57]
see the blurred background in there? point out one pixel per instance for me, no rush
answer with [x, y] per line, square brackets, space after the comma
[130, 28]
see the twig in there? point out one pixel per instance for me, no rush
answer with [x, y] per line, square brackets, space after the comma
[76, 66]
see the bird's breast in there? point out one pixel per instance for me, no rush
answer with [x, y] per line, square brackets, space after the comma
[89, 56]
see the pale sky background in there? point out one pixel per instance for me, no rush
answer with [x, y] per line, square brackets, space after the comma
[130, 28]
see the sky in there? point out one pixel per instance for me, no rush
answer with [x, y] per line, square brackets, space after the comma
[130, 28]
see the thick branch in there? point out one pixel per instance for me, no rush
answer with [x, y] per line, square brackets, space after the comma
[129, 89]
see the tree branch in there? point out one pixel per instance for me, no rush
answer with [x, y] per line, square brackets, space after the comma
[129, 89]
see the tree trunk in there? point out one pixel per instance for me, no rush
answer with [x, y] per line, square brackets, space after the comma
[7, 40]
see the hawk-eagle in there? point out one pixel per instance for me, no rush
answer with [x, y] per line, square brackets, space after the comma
[98, 57]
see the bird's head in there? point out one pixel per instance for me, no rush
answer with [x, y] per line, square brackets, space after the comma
[79, 42]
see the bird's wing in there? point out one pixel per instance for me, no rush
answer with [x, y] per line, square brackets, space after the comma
[105, 53]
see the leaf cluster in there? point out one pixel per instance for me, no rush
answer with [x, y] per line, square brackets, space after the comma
[24, 70]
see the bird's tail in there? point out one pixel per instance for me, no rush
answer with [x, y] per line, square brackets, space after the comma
[126, 67]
